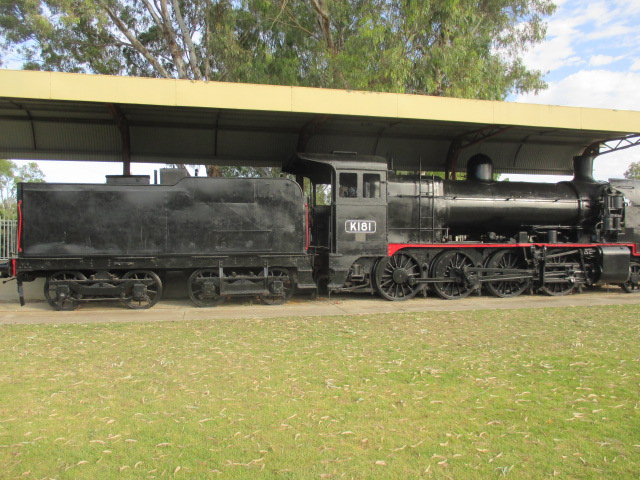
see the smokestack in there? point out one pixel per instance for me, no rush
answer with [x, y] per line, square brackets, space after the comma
[583, 169]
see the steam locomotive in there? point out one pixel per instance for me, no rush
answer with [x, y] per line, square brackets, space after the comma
[380, 232]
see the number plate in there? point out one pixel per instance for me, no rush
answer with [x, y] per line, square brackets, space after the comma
[360, 226]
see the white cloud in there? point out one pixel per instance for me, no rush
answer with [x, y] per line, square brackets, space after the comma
[636, 65]
[552, 54]
[615, 30]
[592, 88]
[601, 60]
[591, 29]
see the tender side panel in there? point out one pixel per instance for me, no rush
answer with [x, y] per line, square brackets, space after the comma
[198, 216]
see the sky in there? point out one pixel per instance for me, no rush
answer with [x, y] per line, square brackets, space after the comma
[591, 58]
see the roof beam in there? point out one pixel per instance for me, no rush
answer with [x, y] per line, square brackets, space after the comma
[613, 145]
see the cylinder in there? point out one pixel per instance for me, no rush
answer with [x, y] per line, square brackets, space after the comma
[617, 201]
[607, 224]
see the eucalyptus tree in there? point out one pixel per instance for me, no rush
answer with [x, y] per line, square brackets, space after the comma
[10, 175]
[458, 48]
[633, 171]
[462, 48]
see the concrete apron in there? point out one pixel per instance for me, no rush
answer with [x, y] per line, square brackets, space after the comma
[175, 306]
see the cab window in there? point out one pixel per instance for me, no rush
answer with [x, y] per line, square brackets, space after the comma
[371, 185]
[348, 185]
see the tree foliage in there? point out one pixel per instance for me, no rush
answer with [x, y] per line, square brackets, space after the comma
[10, 176]
[458, 48]
[461, 48]
[633, 171]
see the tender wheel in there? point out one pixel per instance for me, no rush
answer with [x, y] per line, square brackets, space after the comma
[507, 260]
[202, 288]
[633, 284]
[450, 265]
[395, 277]
[277, 274]
[58, 294]
[556, 267]
[145, 290]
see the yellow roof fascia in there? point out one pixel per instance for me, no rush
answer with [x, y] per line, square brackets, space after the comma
[239, 96]
[344, 102]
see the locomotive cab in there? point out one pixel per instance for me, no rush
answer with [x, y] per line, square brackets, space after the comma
[353, 226]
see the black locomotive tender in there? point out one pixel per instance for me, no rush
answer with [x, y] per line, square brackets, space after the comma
[382, 233]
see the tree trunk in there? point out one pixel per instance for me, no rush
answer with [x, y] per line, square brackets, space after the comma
[213, 171]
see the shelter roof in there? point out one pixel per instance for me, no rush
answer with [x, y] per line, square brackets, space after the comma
[59, 116]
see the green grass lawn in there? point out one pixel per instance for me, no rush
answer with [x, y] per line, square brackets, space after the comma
[521, 394]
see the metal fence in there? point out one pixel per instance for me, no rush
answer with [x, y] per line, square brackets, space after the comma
[8, 238]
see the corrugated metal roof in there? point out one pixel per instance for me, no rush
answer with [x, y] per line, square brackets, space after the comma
[59, 116]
